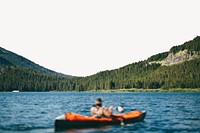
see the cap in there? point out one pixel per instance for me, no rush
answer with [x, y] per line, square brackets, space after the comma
[98, 101]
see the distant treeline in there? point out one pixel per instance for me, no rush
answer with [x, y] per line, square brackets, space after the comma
[136, 75]
[141, 75]
[26, 79]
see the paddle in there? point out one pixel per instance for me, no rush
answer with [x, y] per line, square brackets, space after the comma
[120, 109]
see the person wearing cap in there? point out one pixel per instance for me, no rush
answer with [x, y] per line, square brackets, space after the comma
[100, 111]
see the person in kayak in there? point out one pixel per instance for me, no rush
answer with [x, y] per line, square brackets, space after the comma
[100, 111]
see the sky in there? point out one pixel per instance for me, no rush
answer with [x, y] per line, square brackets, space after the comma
[84, 37]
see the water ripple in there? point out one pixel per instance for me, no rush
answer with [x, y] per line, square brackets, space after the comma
[35, 112]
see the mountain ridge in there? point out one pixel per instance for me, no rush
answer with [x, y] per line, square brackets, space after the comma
[178, 54]
[141, 74]
[8, 58]
[177, 68]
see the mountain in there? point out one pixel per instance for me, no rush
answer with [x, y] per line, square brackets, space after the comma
[19, 73]
[177, 68]
[8, 58]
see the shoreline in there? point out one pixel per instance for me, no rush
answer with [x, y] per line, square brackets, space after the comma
[130, 90]
[151, 90]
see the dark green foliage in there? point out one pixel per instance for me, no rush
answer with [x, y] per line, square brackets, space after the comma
[4, 62]
[184, 75]
[141, 75]
[26, 79]
[136, 75]
[193, 45]
[158, 57]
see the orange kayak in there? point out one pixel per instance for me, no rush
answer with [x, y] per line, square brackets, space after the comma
[73, 120]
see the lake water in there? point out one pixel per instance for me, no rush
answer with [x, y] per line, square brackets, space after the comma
[34, 112]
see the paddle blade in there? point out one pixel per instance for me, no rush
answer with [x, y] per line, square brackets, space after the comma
[120, 109]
